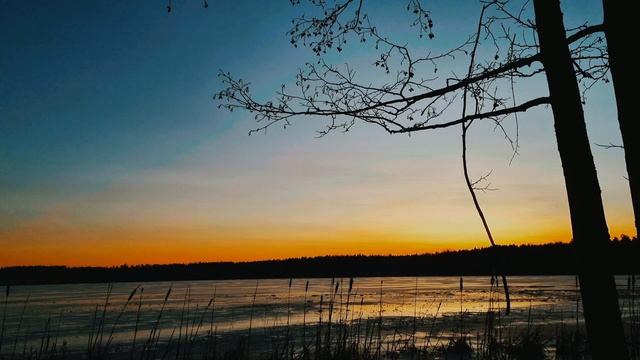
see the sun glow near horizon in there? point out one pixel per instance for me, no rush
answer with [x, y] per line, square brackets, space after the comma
[61, 240]
[149, 248]
[302, 198]
[146, 225]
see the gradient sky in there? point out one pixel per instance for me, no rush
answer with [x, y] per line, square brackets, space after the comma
[112, 150]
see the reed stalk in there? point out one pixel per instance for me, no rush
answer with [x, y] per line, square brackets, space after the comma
[137, 324]
[4, 315]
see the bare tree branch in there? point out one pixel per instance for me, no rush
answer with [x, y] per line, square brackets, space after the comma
[492, 114]
[336, 94]
[465, 124]
[611, 146]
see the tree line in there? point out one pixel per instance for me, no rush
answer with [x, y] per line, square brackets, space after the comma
[548, 259]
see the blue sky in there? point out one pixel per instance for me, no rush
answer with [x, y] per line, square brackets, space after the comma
[108, 127]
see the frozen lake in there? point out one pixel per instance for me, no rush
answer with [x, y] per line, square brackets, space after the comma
[423, 307]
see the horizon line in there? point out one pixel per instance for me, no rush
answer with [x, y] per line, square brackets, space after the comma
[285, 259]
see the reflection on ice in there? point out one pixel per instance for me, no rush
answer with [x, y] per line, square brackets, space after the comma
[419, 310]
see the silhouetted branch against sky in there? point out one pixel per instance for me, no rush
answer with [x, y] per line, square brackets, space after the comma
[610, 146]
[472, 185]
[410, 95]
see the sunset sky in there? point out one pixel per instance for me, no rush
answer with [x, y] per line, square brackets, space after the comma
[112, 150]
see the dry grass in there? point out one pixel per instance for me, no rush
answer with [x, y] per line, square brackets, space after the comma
[340, 331]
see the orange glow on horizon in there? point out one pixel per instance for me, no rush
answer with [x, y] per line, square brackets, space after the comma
[73, 247]
[50, 241]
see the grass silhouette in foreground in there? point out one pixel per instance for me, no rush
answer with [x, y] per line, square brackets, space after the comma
[338, 331]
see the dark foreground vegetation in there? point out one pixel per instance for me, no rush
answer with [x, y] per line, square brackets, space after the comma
[548, 259]
[334, 327]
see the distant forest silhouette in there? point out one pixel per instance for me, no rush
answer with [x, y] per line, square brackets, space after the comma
[547, 259]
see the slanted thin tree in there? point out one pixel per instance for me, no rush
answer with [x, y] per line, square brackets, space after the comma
[621, 56]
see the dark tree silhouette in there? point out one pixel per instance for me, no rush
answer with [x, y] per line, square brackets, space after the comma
[588, 224]
[560, 259]
[409, 103]
[617, 18]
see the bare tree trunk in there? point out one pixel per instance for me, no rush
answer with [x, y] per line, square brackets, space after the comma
[618, 16]
[590, 234]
